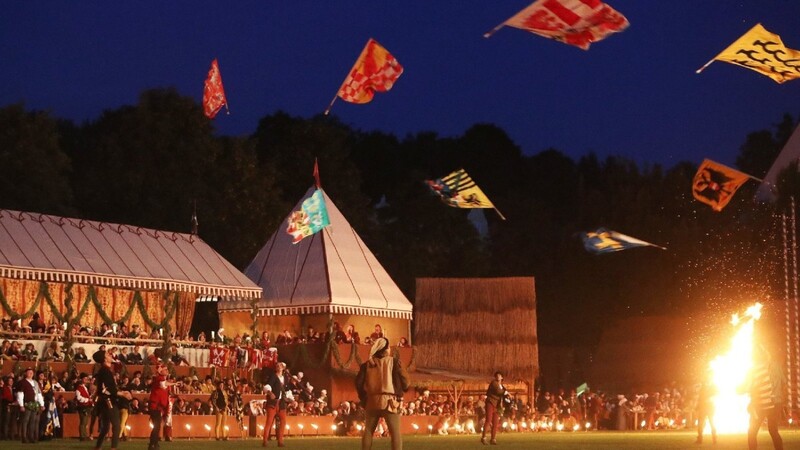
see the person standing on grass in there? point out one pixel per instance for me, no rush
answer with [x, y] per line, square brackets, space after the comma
[705, 410]
[158, 404]
[765, 383]
[380, 383]
[494, 399]
[219, 402]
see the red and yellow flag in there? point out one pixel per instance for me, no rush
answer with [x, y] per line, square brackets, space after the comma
[213, 92]
[376, 70]
[573, 22]
[715, 184]
[764, 52]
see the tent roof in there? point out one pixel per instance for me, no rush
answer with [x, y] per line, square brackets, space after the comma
[51, 248]
[329, 272]
[768, 189]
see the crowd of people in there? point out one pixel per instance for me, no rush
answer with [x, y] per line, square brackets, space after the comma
[127, 345]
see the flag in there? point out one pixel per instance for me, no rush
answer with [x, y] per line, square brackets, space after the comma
[312, 217]
[607, 241]
[459, 191]
[715, 184]
[213, 92]
[573, 22]
[376, 70]
[764, 52]
[581, 389]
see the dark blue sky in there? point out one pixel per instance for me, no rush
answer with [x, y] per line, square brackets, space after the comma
[634, 94]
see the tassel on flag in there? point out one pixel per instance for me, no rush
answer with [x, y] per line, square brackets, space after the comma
[714, 184]
[213, 92]
[375, 70]
[607, 241]
[573, 22]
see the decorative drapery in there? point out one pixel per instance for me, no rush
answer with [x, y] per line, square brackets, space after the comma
[92, 306]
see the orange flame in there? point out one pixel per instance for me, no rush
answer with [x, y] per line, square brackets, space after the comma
[729, 372]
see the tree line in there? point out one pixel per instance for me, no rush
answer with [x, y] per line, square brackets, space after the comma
[150, 163]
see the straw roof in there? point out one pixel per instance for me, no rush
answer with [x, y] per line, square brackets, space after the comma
[478, 325]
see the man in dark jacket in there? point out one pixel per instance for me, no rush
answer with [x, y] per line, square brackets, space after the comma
[494, 397]
[380, 383]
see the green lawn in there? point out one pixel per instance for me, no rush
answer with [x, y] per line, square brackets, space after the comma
[558, 441]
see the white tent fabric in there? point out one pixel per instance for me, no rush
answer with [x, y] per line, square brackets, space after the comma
[767, 191]
[329, 272]
[51, 248]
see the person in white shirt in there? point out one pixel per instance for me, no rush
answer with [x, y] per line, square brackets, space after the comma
[31, 403]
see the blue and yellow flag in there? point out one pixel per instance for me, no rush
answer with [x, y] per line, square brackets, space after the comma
[312, 217]
[607, 241]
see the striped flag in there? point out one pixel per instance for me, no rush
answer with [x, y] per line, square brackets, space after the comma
[459, 191]
[375, 70]
[213, 92]
[573, 22]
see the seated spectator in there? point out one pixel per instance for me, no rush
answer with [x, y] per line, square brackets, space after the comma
[403, 342]
[198, 408]
[351, 335]
[176, 358]
[312, 337]
[377, 333]
[80, 355]
[264, 342]
[30, 353]
[134, 357]
[54, 383]
[135, 332]
[36, 324]
[338, 334]
[284, 338]
[53, 352]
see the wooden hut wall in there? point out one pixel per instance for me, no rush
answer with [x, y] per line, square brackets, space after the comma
[478, 325]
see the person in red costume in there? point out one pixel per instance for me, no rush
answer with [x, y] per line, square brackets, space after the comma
[159, 403]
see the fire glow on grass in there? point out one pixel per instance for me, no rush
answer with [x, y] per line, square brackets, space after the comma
[729, 372]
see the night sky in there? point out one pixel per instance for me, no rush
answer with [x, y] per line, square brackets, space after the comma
[634, 94]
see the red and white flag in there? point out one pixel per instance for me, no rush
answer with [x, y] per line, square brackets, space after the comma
[573, 22]
[213, 92]
[375, 70]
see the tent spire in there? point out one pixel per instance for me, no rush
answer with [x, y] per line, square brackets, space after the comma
[317, 183]
[195, 223]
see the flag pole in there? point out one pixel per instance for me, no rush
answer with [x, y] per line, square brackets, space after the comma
[706, 65]
[355, 66]
[328, 109]
[498, 212]
[493, 31]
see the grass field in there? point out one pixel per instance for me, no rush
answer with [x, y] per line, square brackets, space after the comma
[558, 441]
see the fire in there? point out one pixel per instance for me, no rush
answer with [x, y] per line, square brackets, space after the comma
[729, 372]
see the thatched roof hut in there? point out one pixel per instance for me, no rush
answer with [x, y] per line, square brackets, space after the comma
[478, 326]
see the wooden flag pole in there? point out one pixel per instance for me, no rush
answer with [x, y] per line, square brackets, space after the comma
[493, 31]
[499, 213]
